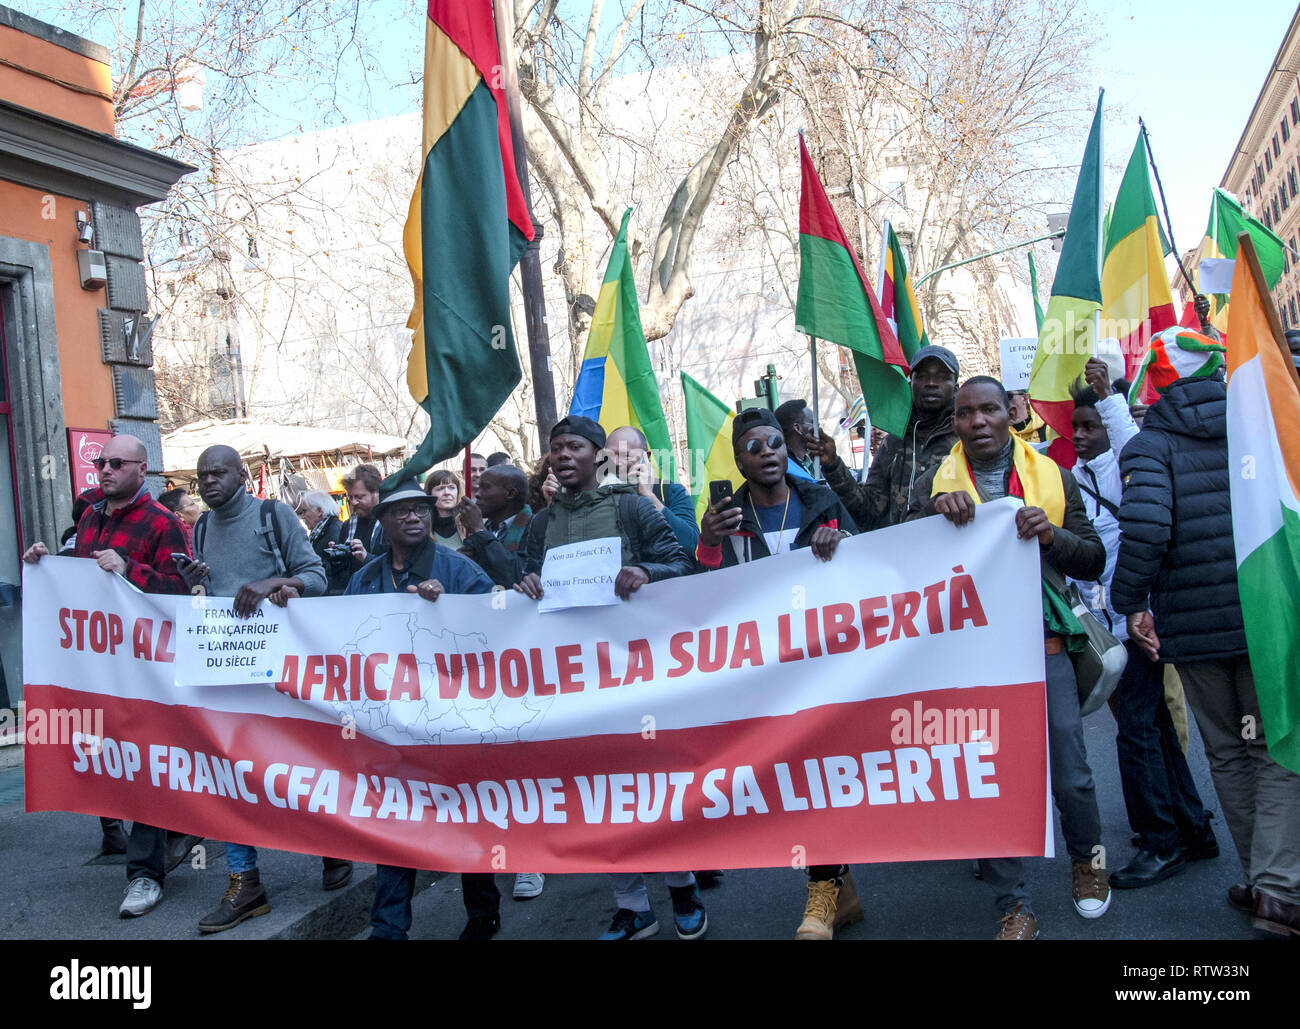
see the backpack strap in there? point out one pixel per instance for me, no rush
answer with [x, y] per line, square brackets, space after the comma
[200, 532]
[1107, 504]
[267, 514]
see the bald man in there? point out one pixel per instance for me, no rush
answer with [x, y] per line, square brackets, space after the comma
[130, 534]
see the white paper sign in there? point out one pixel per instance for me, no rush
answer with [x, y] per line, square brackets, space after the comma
[581, 574]
[1216, 274]
[1017, 361]
[214, 647]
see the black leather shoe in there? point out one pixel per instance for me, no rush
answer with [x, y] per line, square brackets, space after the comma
[179, 847]
[335, 873]
[1276, 916]
[1242, 897]
[1147, 868]
[481, 927]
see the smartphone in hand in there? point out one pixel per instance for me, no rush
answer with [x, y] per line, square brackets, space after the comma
[719, 490]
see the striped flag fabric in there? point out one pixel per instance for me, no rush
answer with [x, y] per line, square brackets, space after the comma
[837, 303]
[708, 437]
[898, 298]
[616, 384]
[466, 229]
[1066, 339]
[1264, 443]
[1033, 291]
[857, 412]
[1136, 302]
[1215, 271]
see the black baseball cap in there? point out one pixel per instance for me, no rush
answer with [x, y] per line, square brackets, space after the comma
[938, 353]
[577, 425]
[752, 418]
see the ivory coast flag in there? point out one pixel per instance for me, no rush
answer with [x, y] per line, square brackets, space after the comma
[616, 384]
[708, 437]
[837, 303]
[1264, 454]
[1068, 332]
[898, 298]
[1136, 302]
[465, 231]
[1215, 270]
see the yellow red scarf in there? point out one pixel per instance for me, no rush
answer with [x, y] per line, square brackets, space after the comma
[1035, 478]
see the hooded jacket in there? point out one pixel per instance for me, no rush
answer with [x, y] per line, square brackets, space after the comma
[1176, 554]
[820, 507]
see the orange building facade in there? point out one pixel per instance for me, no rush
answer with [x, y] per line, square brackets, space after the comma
[75, 362]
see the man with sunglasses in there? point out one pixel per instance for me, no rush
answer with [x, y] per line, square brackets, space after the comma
[774, 512]
[415, 563]
[130, 534]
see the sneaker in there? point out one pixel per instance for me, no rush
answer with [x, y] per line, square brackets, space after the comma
[244, 898]
[481, 927]
[688, 913]
[1019, 924]
[142, 896]
[1091, 889]
[632, 925]
[528, 885]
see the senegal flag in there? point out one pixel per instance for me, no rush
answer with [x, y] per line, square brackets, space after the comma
[708, 437]
[1264, 444]
[1215, 272]
[465, 231]
[898, 298]
[1068, 334]
[837, 303]
[1136, 302]
[616, 384]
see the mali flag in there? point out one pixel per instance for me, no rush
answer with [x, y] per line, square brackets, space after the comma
[1068, 334]
[837, 303]
[898, 298]
[465, 231]
[1264, 441]
[708, 437]
[616, 383]
[1136, 302]
[1215, 273]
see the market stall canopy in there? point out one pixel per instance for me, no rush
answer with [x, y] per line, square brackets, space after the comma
[284, 448]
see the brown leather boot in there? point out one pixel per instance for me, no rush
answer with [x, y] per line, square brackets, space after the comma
[335, 873]
[245, 898]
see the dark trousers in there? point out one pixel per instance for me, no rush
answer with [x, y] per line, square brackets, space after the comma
[146, 852]
[1163, 805]
[390, 918]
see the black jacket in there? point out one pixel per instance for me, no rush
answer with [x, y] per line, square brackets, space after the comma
[1175, 550]
[820, 507]
[337, 570]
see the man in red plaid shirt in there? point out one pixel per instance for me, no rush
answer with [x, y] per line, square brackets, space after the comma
[130, 534]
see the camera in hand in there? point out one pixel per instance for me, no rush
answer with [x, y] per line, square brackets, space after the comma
[336, 556]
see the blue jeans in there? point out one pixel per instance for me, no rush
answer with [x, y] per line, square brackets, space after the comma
[1163, 805]
[240, 858]
[390, 918]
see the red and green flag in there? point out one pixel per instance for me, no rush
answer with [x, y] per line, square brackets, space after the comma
[836, 303]
[1069, 331]
[466, 229]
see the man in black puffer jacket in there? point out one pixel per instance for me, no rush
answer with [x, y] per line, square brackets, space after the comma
[1176, 557]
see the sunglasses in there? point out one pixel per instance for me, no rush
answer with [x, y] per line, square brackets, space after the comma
[755, 446]
[113, 462]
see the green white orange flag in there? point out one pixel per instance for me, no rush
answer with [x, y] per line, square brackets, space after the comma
[708, 437]
[837, 303]
[466, 229]
[1215, 271]
[1264, 454]
[1136, 302]
[1068, 335]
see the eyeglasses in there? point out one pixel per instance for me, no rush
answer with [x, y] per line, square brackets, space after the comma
[113, 462]
[774, 442]
[420, 511]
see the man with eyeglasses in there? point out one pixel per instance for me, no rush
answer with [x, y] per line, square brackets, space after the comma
[130, 534]
[415, 563]
[774, 512]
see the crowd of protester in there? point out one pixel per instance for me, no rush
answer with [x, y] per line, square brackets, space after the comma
[1141, 522]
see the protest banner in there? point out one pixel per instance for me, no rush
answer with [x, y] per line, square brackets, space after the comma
[887, 705]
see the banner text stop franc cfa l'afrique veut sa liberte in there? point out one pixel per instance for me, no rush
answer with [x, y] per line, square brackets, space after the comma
[887, 705]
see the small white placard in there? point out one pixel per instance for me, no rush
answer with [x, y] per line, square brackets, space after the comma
[1216, 274]
[581, 574]
[1017, 362]
[214, 647]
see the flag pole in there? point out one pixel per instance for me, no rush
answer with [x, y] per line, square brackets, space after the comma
[812, 350]
[1151, 159]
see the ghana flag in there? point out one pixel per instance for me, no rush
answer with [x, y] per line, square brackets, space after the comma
[616, 384]
[1068, 333]
[837, 303]
[708, 437]
[1136, 302]
[1264, 442]
[467, 226]
[1215, 272]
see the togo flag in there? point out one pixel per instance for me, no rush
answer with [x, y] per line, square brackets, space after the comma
[708, 437]
[1068, 332]
[1264, 452]
[466, 229]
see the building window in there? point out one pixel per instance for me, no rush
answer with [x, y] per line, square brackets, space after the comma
[1281, 193]
[1268, 160]
[1277, 215]
[1295, 112]
[1290, 306]
[1277, 150]
[1268, 219]
[1286, 132]
[1286, 261]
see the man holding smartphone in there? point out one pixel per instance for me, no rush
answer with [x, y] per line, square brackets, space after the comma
[130, 534]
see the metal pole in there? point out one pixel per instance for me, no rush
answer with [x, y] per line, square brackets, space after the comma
[992, 253]
[812, 350]
[530, 264]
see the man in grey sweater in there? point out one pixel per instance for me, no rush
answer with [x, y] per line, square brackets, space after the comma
[252, 550]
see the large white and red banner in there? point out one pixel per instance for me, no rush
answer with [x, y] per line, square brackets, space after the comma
[887, 705]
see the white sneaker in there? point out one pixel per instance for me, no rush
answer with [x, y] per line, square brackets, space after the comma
[528, 885]
[142, 896]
